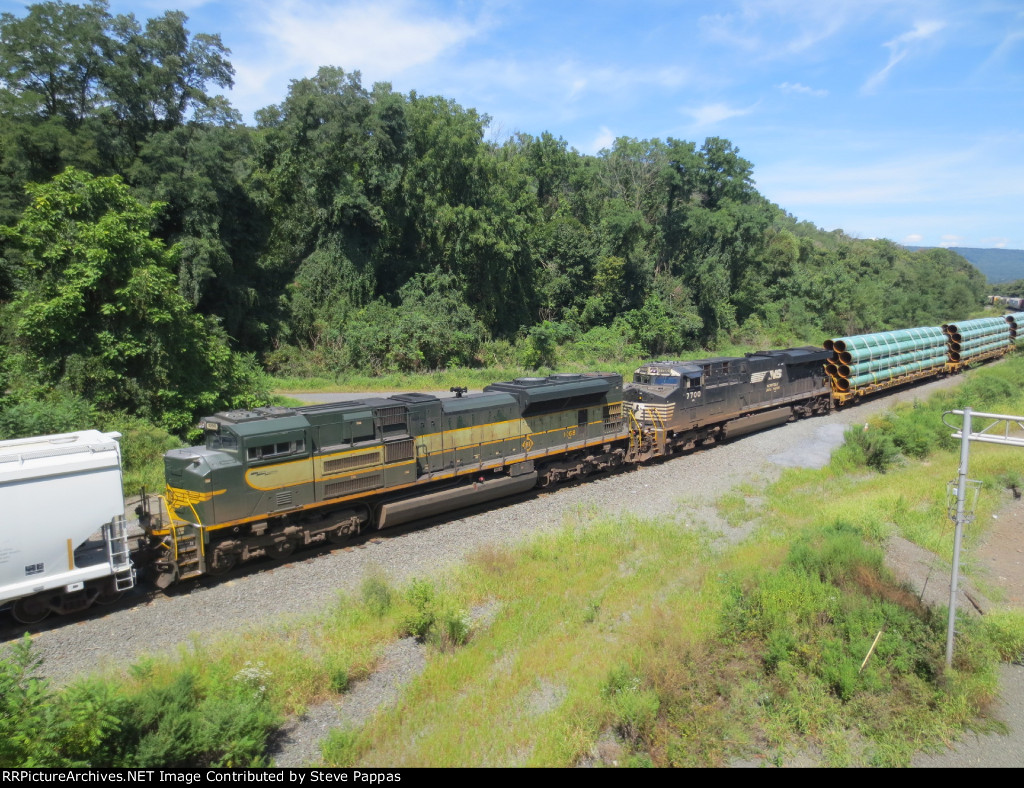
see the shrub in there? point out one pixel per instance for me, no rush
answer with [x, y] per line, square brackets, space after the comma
[634, 708]
[178, 722]
[54, 412]
[142, 450]
[434, 618]
[432, 328]
[602, 344]
[181, 724]
[539, 347]
[377, 594]
[419, 622]
[873, 446]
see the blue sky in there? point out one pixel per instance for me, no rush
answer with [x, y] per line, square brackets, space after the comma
[900, 119]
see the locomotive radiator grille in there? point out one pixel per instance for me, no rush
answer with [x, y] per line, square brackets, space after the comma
[399, 450]
[348, 486]
[352, 461]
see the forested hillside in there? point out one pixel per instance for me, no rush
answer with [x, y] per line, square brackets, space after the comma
[157, 252]
[998, 265]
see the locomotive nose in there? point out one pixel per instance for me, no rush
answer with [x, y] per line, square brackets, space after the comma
[188, 475]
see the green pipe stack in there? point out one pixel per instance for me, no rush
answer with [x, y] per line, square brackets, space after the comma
[870, 359]
[973, 338]
[1016, 321]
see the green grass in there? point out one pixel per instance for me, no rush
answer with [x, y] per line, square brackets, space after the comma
[568, 359]
[439, 380]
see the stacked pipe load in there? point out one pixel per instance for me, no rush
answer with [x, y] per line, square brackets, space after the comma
[1016, 323]
[870, 359]
[973, 338]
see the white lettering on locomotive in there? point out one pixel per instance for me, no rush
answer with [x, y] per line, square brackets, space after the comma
[771, 374]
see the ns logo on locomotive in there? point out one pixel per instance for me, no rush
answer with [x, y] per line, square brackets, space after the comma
[271, 480]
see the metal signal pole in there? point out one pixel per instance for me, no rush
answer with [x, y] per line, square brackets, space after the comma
[967, 434]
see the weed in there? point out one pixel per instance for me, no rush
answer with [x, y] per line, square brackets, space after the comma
[634, 708]
[421, 595]
[435, 618]
[1005, 631]
[253, 678]
[377, 594]
[341, 747]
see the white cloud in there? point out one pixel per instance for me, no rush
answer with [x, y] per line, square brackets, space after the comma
[784, 28]
[914, 239]
[381, 38]
[577, 79]
[951, 240]
[899, 48]
[796, 87]
[604, 139]
[710, 114]
[1004, 51]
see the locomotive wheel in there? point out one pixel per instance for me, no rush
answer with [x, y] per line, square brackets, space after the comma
[280, 551]
[222, 563]
[29, 610]
[340, 535]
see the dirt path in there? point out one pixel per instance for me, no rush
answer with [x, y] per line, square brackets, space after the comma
[999, 560]
[995, 581]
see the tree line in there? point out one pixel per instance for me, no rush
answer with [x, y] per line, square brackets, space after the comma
[157, 252]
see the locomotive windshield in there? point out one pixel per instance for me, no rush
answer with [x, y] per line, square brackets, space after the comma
[216, 440]
[656, 380]
[656, 376]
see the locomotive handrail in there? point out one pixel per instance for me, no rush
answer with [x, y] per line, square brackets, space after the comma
[635, 430]
[176, 522]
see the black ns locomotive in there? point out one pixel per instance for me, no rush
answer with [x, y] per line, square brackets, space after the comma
[684, 404]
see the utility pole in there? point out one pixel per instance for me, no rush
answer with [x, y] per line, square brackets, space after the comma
[967, 433]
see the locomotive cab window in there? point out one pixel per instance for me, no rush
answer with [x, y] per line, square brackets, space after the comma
[274, 450]
[221, 441]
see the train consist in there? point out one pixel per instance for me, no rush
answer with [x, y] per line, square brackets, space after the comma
[268, 481]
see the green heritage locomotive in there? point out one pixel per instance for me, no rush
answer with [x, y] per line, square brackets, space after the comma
[270, 480]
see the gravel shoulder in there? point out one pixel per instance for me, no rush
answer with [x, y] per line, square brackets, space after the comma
[683, 489]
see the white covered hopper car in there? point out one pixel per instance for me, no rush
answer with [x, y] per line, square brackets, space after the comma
[63, 534]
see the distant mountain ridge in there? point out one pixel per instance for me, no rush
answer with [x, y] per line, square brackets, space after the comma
[998, 265]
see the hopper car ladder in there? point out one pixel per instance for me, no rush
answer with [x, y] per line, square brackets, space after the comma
[115, 534]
